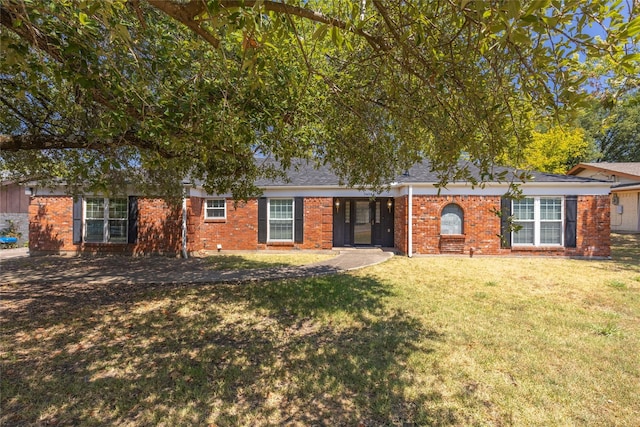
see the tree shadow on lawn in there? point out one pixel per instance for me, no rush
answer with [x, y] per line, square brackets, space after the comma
[625, 248]
[625, 252]
[315, 351]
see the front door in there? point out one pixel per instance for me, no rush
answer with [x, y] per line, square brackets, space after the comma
[362, 223]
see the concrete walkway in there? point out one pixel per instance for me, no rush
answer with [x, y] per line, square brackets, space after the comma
[17, 268]
[14, 253]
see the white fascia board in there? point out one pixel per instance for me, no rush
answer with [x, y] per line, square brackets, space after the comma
[429, 189]
[295, 191]
[61, 190]
[200, 192]
[49, 191]
[499, 189]
[632, 188]
[325, 191]
[557, 189]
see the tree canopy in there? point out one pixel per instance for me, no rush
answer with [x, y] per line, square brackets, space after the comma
[615, 128]
[558, 150]
[105, 93]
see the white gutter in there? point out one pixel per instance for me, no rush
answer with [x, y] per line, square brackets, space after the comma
[184, 224]
[410, 228]
[627, 188]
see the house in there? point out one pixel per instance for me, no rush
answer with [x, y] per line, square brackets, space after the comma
[14, 208]
[558, 215]
[625, 191]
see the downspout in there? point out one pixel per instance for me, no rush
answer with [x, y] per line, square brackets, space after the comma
[185, 255]
[410, 228]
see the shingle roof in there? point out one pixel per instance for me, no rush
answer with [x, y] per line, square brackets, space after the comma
[305, 174]
[302, 174]
[628, 168]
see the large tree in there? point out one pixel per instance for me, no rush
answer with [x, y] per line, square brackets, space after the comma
[557, 150]
[615, 128]
[105, 93]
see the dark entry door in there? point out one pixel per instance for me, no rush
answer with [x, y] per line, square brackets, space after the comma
[362, 224]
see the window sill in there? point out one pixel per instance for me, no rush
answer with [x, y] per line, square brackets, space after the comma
[537, 248]
[289, 243]
[215, 220]
[105, 243]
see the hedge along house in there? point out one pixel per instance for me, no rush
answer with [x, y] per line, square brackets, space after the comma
[557, 215]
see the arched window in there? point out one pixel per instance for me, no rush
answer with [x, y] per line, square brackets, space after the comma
[452, 220]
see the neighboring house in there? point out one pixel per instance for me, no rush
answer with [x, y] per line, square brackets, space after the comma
[559, 215]
[625, 191]
[14, 208]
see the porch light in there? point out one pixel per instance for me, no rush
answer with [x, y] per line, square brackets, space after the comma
[337, 203]
[389, 205]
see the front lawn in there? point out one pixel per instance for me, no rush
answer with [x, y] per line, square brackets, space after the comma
[428, 341]
[243, 261]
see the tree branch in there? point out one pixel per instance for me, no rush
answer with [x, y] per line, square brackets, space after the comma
[29, 32]
[60, 142]
[186, 12]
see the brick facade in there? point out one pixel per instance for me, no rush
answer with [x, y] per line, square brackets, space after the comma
[51, 229]
[400, 226]
[239, 231]
[160, 227]
[482, 226]
[51, 224]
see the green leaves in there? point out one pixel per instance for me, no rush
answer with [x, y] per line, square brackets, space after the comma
[369, 95]
[83, 18]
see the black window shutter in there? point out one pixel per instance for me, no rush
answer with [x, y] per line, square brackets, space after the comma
[505, 230]
[571, 220]
[77, 220]
[133, 220]
[299, 219]
[262, 220]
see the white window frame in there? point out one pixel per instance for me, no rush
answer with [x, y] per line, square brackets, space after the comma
[224, 209]
[537, 221]
[106, 237]
[293, 221]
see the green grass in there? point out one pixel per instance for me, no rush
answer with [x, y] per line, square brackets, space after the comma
[428, 341]
[263, 260]
[617, 284]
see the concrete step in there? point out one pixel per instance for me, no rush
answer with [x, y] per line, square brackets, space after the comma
[361, 249]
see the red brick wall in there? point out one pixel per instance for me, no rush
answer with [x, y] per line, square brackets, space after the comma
[318, 223]
[51, 224]
[400, 225]
[238, 232]
[240, 229]
[159, 227]
[51, 228]
[594, 226]
[482, 226]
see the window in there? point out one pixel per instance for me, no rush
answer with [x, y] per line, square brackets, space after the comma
[451, 221]
[215, 209]
[106, 220]
[539, 220]
[280, 220]
[347, 211]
